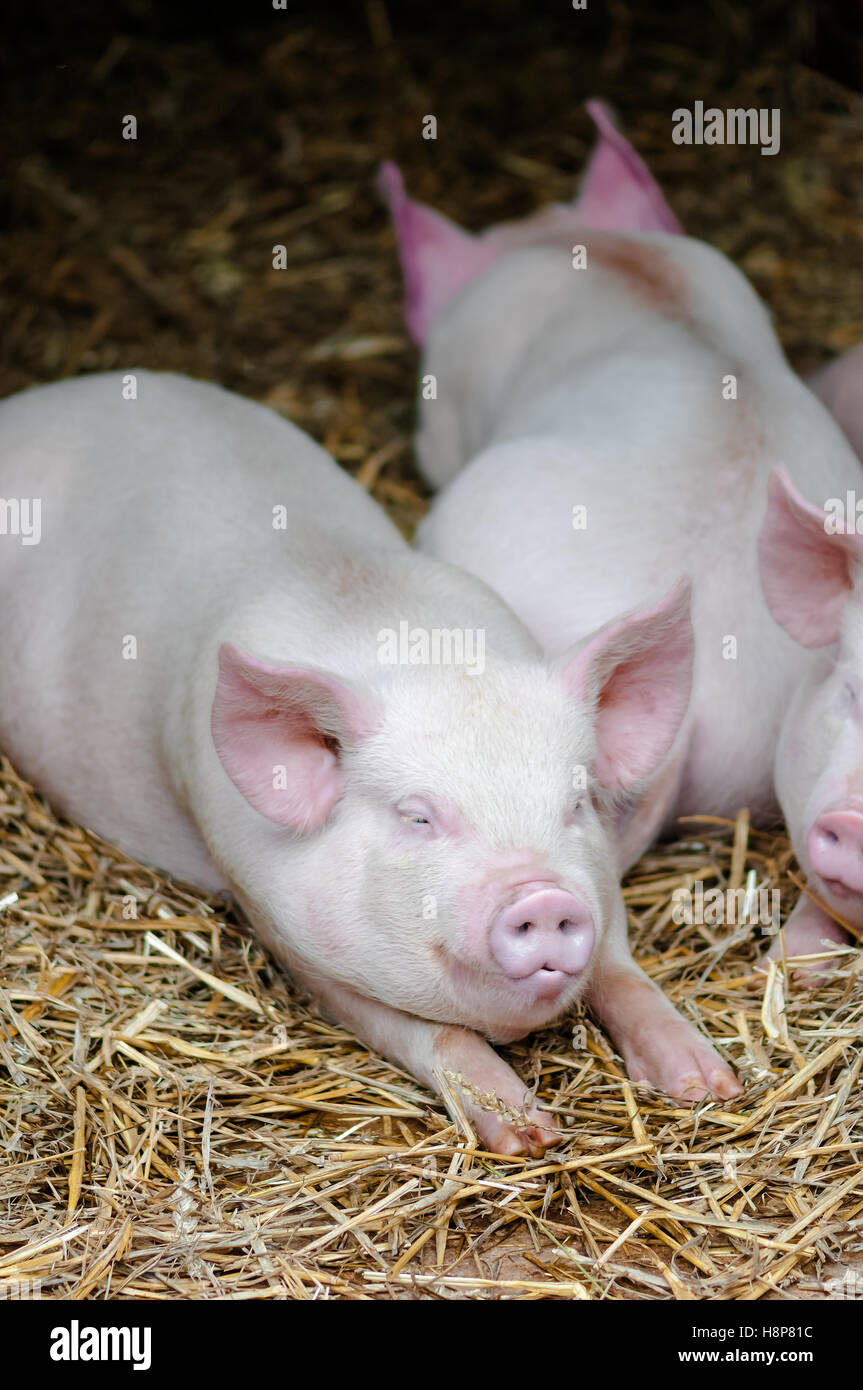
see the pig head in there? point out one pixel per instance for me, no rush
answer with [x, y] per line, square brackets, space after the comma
[446, 834]
[439, 258]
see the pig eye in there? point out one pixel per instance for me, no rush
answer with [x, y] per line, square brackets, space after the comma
[575, 810]
[414, 812]
[850, 696]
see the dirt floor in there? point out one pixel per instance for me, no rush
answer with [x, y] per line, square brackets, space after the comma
[176, 1122]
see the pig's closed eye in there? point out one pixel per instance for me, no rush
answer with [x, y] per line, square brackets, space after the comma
[576, 810]
[415, 813]
[849, 699]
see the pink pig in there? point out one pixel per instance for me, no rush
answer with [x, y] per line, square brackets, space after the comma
[813, 581]
[203, 661]
[605, 400]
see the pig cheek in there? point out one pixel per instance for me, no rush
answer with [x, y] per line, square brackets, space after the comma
[348, 912]
[793, 778]
[845, 761]
[805, 765]
[329, 927]
[475, 907]
[839, 763]
[607, 895]
[435, 875]
[415, 879]
[590, 871]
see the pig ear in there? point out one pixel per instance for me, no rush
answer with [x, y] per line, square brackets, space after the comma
[637, 671]
[438, 258]
[278, 731]
[618, 193]
[806, 570]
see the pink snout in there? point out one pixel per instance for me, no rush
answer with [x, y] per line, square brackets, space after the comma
[836, 849]
[543, 937]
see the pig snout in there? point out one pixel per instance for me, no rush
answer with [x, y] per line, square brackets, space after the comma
[836, 850]
[545, 937]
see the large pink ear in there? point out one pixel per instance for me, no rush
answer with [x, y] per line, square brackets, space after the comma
[806, 570]
[840, 386]
[438, 258]
[618, 192]
[637, 671]
[278, 731]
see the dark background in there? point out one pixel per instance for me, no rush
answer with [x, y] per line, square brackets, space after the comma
[258, 127]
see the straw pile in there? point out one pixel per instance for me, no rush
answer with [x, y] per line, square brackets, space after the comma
[175, 1121]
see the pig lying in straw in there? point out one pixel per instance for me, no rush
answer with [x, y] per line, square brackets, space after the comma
[216, 656]
[606, 400]
[810, 570]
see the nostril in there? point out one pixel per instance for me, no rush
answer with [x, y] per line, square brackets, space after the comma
[554, 941]
[836, 849]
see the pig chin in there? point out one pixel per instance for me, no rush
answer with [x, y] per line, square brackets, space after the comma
[845, 902]
[504, 1009]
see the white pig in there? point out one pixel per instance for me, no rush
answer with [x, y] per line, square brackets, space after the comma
[606, 399]
[813, 582]
[201, 661]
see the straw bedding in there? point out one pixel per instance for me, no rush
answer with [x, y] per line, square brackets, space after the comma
[176, 1122]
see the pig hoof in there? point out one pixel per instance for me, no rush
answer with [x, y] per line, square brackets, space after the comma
[719, 1083]
[808, 932]
[508, 1138]
[682, 1065]
[807, 976]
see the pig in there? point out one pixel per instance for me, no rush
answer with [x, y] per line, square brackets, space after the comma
[203, 661]
[603, 402]
[813, 583]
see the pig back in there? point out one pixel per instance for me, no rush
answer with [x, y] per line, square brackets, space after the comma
[157, 515]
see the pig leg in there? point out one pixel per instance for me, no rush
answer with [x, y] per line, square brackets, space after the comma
[658, 1046]
[808, 932]
[422, 1048]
